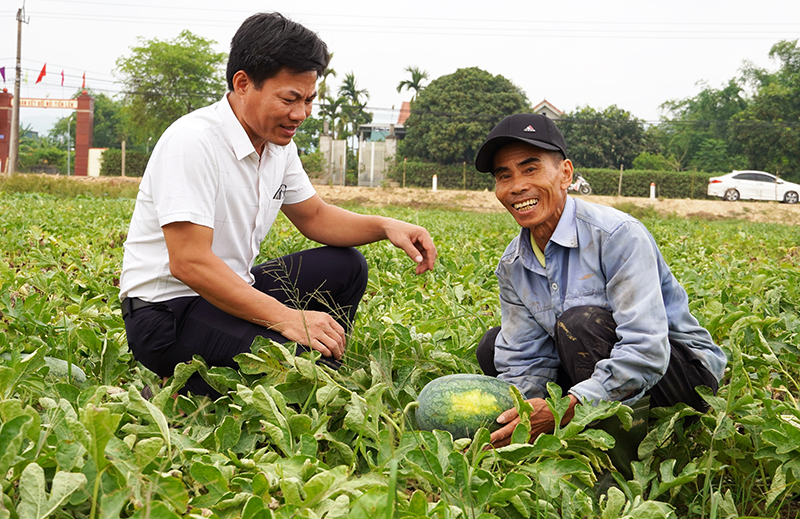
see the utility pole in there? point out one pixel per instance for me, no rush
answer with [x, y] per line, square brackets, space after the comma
[13, 150]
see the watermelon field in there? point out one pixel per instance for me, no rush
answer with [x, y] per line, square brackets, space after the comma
[292, 439]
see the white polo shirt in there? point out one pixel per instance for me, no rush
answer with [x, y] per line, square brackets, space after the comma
[205, 170]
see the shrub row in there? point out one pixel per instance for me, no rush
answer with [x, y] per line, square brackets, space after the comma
[635, 183]
[450, 176]
[135, 162]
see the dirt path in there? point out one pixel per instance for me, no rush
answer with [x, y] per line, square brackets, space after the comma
[485, 201]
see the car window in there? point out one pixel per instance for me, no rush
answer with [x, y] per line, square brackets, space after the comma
[764, 178]
[744, 176]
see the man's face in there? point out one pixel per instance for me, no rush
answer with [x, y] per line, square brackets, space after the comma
[273, 112]
[532, 186]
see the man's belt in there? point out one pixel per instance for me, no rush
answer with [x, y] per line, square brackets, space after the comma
[130, 304]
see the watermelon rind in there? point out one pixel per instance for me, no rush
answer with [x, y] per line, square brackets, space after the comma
[463, 403]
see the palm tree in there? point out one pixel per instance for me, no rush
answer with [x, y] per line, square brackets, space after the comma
[330, 109]
[415, 83]
[322, 90]
[353, 111]
[350, 90]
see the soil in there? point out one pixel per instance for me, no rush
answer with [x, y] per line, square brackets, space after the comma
[485, 201]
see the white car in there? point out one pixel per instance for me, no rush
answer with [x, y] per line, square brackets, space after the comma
[753, 185]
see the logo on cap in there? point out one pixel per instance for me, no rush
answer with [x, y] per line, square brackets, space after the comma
[530, 128]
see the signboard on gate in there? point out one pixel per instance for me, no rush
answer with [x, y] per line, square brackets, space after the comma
[48, 103]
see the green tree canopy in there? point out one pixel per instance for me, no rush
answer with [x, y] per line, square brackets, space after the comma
[164, 80]
[454, 113]
[352, 109]
[607, 138]
[768, 130]
[697, 125]
[109, 128]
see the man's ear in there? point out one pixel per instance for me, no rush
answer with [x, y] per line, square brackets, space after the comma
[241, 82]
[566, 171]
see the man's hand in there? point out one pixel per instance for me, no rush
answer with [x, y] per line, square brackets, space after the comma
[542, 421]
[331, 225]
[317, 330]
[415, 241]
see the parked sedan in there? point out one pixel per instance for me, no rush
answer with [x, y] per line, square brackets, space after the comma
[753, 185]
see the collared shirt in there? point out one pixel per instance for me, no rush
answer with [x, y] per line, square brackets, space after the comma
[205, 170]
[601, 257]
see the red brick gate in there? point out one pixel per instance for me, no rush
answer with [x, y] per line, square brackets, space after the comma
[84, 126]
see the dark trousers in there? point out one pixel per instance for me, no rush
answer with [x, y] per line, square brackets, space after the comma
[587, 334]
[326, 279]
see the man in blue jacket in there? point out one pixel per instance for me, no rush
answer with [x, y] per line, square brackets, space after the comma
[587, 300]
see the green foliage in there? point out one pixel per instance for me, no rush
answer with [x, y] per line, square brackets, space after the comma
[290, 438]
[603, 139]
[40, 154]
[451, 176]
[713, 155]
[164, 80]
[313, 163]
[636, 182]
[693, 121]
[63, 187]
[774, 146]
[418, 77]
[307, 136]
[453, 114]
[135, 163]
[725, 129]
[656, 161]
[109, 127]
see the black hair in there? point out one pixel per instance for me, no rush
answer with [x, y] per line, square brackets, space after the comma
[267, 42]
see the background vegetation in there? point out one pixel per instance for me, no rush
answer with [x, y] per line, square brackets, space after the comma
[750, 122]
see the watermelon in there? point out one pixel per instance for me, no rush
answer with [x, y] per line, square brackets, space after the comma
[463, 403]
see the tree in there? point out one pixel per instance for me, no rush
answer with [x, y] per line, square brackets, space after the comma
[108, 123]
[40, 153]
[603, 139]
[322, 89]
[164, 80]
[700, 123]
[329, 109]
[768, 130]
[454, 113]
[418, 76]
[655, 161]
[352, 111]
[307, 136]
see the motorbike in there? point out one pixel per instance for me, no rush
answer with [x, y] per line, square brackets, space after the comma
[580, 185]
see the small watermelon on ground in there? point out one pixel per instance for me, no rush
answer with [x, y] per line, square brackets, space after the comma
[463, 403]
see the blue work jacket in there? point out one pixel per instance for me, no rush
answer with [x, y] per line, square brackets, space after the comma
[602, 257]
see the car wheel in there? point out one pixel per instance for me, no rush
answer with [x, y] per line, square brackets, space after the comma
[790, 197]
[731, 195]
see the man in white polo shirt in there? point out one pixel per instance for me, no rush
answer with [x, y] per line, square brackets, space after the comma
[211, 191]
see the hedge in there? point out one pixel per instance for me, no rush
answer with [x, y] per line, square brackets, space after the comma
[448, 176]
[111, 163]
[635, 182]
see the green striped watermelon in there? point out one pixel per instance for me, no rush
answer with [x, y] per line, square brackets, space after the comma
[463, 403]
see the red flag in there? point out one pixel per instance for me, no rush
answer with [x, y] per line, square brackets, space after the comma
[84, 80]
[62, 78]
[42, 73]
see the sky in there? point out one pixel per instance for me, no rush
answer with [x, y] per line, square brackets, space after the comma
[635, 54]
